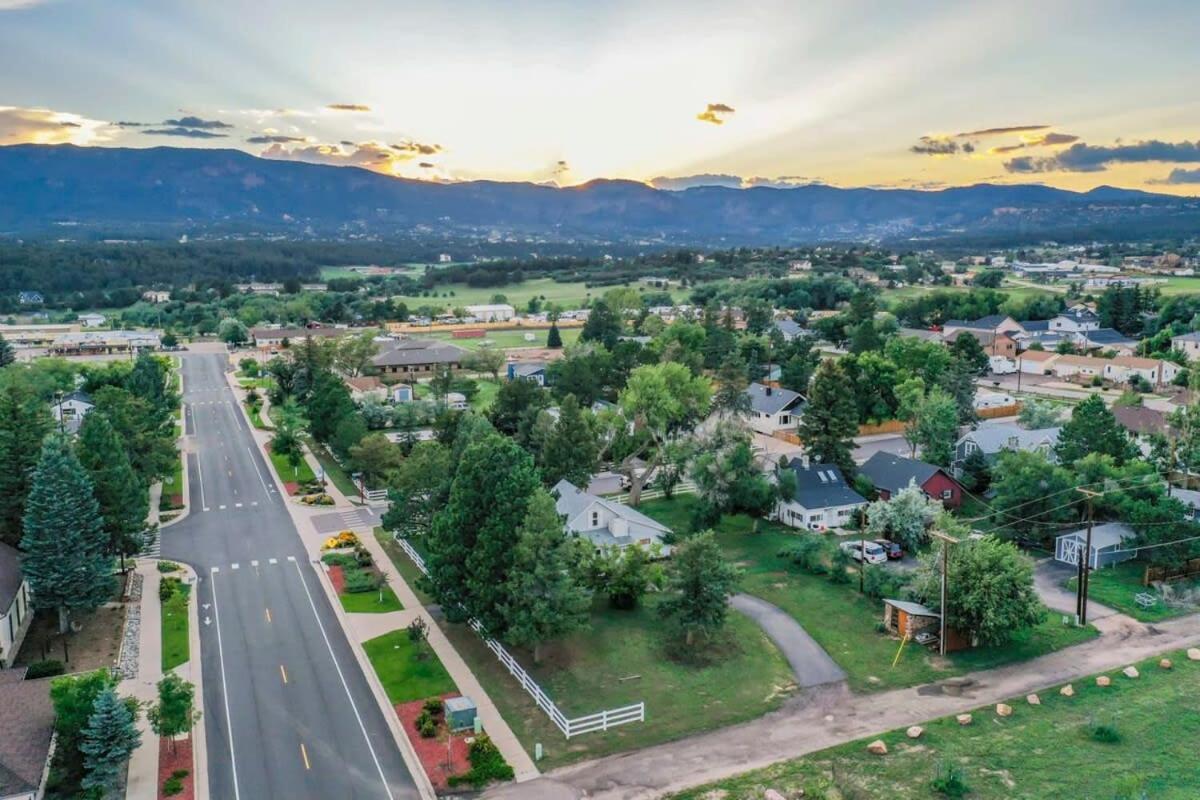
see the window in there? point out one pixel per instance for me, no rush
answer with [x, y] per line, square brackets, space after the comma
[784, 419]
[947, 494]
[970, 447]
[595, 519]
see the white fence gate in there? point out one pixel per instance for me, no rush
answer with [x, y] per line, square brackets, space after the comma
[600, 721]
[372, 495]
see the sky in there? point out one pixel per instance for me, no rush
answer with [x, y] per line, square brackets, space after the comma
[1073, 94]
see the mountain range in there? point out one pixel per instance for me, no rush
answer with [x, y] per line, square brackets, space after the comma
[43, 187]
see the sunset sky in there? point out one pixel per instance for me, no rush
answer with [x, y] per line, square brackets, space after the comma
[919, 95]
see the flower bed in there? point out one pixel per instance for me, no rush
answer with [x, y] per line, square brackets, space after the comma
[432, 751]
[172, 762]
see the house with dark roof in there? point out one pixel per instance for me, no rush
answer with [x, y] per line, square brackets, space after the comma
[822, 500]
[606, 523]
[419, 357]
[26, 735]
[995, 323]
[528, 371]
[1107, 339]
[1076, 320]
[1141, 421]
[774, 409]
[789, 329]
[890, 473]
[15, 611]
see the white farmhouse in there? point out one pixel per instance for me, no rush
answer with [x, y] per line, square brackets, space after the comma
[822, 500]
[773, 409]
[605, 523]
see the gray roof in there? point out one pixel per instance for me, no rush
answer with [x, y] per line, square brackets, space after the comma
[892, 472]
[994, 438]
[573, 501]
[408, 352]
[988, 323]
[1080, 315]
[10, 575]
[1189, 497]
[295, 334]
[1035, 325]
[789, 327]
[1110, 534]
[528, 369]
[822, 486]
[916, 609]
[1108, 336]
[920, 333]
[1194, 336]
[769, 400]
[26, 728]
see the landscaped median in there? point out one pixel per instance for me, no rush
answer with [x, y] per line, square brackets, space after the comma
[1133, 738]
[360, 584]
[173, 594]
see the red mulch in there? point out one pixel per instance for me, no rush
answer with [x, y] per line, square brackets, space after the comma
[432, 752]
[338, 578]
[169, 761]
[291, 487]
[176, 501]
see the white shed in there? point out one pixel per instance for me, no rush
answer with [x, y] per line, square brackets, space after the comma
[1107, 545]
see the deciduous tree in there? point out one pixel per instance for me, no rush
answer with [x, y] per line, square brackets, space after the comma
[1092, 429]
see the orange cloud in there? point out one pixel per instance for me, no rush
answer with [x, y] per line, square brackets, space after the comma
[715, 113]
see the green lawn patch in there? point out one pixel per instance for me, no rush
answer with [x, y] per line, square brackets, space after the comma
[404, 565]
[302, 473]
[1117, 585]
[175, 642]
[483, 398]
[1031, 754]
[404, 675]
[255, 413]
[370, 602]
[845, 622]
[508, 338]
[172, 488]
[334, 471]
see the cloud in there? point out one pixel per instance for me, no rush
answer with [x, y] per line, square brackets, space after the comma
[411, 149]
[186, 133]
[127, 124]
[17, 5]
[426, 165]
[375, 156]
[1178, 177]
[196, 122]
[715, 113]
[1052, 139]
[1082, 157]
[348, 107]
[985, 132]
[276, 138]
[47, 126]
[937, 146]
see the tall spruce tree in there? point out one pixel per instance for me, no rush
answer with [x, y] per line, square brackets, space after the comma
[731, 397]
[64, 540]
[830, 419]
[553, 337]
[109, 738]
[545, 601]
[6, 353]
[121, 493]
[571, 451]
[24, 422]
[699, 584]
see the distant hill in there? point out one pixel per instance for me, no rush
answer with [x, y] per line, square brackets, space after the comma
[44, 186]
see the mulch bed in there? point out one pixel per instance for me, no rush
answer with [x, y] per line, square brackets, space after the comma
[169, 761]
[338, 578]
[432, 752]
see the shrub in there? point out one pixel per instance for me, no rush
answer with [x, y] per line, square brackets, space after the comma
[174, 784]
[168, 588]
[1106, 734]
[434, 706]
[487, 764]
[339, 560]
[426, 725]
[879, 583]
[807, 554]
[363, 557]
[840, 563]
[168, 566]
[44, 669]
[358, 580]
[948, 782]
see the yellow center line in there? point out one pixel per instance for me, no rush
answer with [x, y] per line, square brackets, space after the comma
[283, 673]
[304, 755]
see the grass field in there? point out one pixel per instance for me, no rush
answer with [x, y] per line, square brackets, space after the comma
[506, 339]
[403, 565]
[406, 673]
[566, 295]
[302, 474]
[334, 471]
[1116, 586]
[369, 602]
[890, 296]
[843, 621]
[1039, 752]
[175, 643]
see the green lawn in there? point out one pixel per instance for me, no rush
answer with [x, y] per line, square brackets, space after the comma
[488, 390]
[1116, 586]
[844, 622]
[403, 566]
[175, 643]
[404, 676]
[171, 486]
[369, 602]
[301, 474]
[255, 414]
[1038, 752]
[334, 471]
[506, 339]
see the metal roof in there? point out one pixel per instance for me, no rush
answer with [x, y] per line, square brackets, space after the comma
[771, 400]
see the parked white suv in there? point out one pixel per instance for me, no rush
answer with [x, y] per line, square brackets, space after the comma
[862, 550]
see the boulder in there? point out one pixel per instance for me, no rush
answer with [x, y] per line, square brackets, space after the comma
[1165, 663]
[877, 747]
[1193, 654]
[771, 794]
[964, 719]
[1003, 710]
[1103, 680]
[1033, 700]
[1131, 672]
[914, 732]
[1067, 691]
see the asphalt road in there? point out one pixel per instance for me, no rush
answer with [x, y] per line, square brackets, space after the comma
[287, 711]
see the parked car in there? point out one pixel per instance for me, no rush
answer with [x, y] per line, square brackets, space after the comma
[862, 550]
[893, 550]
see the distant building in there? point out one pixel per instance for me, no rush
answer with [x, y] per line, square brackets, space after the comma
[274, 338]
[493, 312]
[1076, 321]
[155, 296]
[69, 412]
[890, 473]
[30, 298]
[419, 357]
[105, 342]
[444, 258]
[1188, 344]
[366, 387]
[992, 440]
[92, 320]
[528, 371]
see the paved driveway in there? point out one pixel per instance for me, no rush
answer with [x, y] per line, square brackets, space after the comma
[811, 665]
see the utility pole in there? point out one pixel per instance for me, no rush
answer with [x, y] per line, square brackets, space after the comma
[946, 542]
[1084, 575]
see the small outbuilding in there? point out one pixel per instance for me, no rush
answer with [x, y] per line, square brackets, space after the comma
[1107, 545]
[460, 713]
[905, 618]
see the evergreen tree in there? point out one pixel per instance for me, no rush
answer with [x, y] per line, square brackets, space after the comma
[64, 539]
[1092, 429]
[418, 488]
[699, 584]
[571, 451]
[124, 501]
[554, 338]
[6, 353]
[545, 602]
[471, 545]
[24, 422]
[175, 712]
[603, 325]
[108, 740]
[966, 348]
[935, 427]
[328, 404]
[514, 400]
[958, 381]
[148, 380]
[830, 420]
[146, 432]
[731, 397]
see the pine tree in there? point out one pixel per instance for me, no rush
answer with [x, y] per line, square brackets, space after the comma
[24, 422]
[1092, 429]
[545, 602]
[700, 583]
[830, 420]
[603, 325]
[731, 396]
[554, 338]
[64, 539]
[571, 451]
[108, 740]
[6, 353]
[124, 502]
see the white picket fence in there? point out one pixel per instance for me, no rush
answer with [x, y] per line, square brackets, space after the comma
[684, 487]
[373, 495]
[600, 721]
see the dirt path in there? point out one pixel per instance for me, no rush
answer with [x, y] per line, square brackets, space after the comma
[830, 715]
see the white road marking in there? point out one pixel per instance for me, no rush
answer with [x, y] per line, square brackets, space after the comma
[200, 475]
[234, 566]
[257, 472]
[254, 564]
[224, 694]
[215, 570]
[354, 707]
[237, 505]
[222, 507]
[272, 561]
[253, 502]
